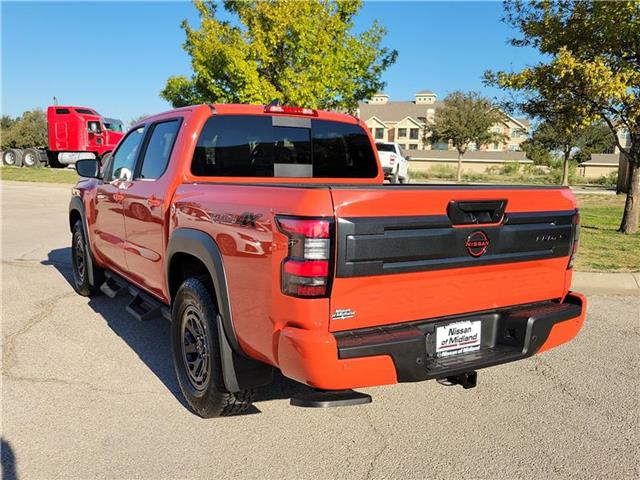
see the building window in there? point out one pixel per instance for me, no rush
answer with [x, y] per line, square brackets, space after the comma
[515, 133]
[413, 134]
[495, 146]
[514, 147]
[472, 147]
[379, 133]
[402, 133]
[403, 146]
[496, 129]
[413, 146]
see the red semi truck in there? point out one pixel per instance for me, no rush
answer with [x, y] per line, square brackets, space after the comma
[73, 133]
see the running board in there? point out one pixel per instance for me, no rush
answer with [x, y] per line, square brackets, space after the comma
[330, 398]
[142, 306]
[111, 288]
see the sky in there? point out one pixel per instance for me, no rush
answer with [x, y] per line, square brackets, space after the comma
[116, 56]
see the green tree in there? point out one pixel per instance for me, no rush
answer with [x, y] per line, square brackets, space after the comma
[463, 119]
[571, 146]
[30, 130]
[591, 71]
[596, 138]
[300, 52]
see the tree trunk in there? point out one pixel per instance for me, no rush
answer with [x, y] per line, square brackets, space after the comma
[565, 168]
[459, 173]
[629, 222]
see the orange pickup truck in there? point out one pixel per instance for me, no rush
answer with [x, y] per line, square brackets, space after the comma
[267, 237]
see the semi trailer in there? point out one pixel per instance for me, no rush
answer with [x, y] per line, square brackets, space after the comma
[73, 133]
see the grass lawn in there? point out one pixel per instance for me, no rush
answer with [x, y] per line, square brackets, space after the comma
[43, 174]
[602, 248]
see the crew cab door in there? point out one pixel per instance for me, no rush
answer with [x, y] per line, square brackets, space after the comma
[145, 207]
[108, 227]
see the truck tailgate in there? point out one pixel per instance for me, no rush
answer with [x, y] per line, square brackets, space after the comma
[409, 253]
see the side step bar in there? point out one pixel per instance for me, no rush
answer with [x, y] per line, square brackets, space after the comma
[142, 307]
[330, 398]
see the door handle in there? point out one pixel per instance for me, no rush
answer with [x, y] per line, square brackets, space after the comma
[101, 196]
[153, 202]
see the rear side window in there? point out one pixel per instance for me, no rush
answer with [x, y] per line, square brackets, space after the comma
[158, 151]
[62, 111]
[252, 146]
[86, 111]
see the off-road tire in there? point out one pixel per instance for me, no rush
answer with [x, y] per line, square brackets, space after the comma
[395, 176]
[209, 398]
[405, 180]
[81, 265]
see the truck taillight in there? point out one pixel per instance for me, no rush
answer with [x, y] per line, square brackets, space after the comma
[576, 239]
[392, 159]
[290, 110]
[307, 270]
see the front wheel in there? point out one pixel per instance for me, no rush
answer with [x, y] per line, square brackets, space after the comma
[196, 353]
[81, 264]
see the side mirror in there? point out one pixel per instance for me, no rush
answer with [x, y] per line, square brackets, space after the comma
[88, 168]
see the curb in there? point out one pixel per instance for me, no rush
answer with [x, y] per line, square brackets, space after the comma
[607, 283]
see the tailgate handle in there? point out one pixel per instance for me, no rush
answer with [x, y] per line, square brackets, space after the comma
[475, 212]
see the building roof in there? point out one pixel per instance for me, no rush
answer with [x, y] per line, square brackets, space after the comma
[477, 155]
[603, 159]
[425, 92]
[395, 111]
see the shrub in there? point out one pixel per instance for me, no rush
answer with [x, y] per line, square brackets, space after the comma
[442, 171]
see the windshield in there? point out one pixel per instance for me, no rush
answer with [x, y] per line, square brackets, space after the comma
[385, 147]
[265, 146]
[114, 127]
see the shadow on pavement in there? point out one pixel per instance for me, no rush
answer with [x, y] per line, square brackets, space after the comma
[151, 340]
[8, 461]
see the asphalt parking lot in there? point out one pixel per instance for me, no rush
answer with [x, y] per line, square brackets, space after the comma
[88, 392]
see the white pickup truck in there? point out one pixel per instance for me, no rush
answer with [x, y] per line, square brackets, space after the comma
[394, 164]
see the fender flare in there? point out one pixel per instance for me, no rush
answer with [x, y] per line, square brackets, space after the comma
[75, 204]
[239, 371]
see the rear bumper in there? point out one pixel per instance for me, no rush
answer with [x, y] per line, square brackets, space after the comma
[405, 353]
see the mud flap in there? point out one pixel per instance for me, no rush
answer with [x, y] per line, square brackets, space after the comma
[239, 372]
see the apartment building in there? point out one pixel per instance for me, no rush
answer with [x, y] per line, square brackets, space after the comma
[404, 122]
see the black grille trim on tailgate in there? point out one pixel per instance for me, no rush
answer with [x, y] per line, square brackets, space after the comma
[386, 245]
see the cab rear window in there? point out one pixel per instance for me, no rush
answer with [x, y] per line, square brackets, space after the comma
[267, 146]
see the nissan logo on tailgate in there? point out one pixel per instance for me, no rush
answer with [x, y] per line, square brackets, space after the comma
[477, 243]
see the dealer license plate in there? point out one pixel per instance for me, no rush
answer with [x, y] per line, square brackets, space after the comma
[457, 338]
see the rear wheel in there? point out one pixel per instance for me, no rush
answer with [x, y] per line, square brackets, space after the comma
[405, 179]
[12, 157]
[196, 353]
[31, 158]
[396, 176]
